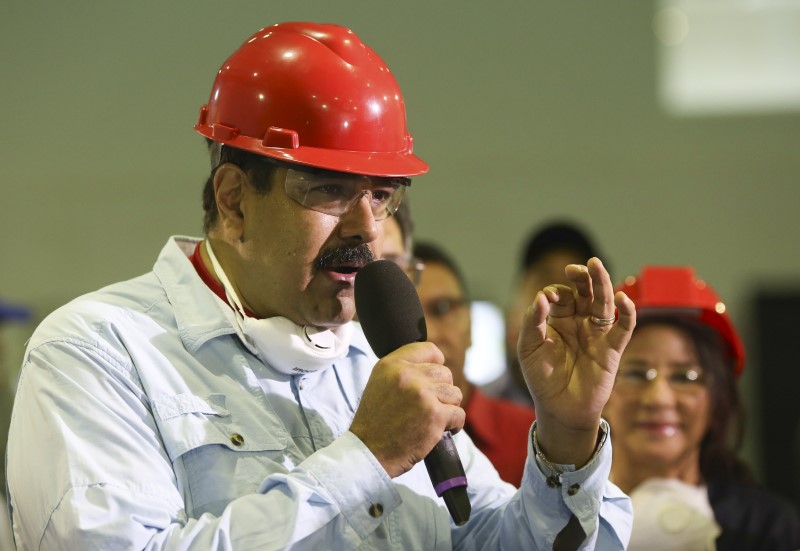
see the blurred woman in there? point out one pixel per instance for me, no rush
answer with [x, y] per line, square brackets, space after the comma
[677, 421]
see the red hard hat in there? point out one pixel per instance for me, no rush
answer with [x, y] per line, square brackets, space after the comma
[674, 290]
[312, 94]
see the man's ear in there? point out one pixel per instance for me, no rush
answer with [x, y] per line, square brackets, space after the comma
[229, 182]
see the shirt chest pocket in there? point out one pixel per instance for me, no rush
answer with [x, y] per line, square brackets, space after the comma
[219, 454]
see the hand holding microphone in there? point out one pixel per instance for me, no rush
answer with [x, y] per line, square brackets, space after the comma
[410, 403]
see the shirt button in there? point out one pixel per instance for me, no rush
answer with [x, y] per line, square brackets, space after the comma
[376, 510]
[237, 439]
[553, 481]
[572, 490]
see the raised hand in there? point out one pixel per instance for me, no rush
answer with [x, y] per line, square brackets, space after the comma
[408, 403]
[569, 350]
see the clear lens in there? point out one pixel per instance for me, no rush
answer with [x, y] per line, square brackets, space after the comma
[414, 270]
[335, 193]
[412, 266]
[688, 380]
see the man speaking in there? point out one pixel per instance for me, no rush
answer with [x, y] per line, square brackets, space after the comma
[221, 401]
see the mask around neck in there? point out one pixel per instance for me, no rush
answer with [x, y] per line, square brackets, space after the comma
[287, 347]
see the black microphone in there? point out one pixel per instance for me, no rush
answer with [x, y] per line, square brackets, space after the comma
[391, 315]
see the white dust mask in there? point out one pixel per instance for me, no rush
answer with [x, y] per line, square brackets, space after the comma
[671, 515]
[289, 348]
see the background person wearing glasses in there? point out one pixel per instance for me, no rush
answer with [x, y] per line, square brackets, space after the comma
[498, 427]
[677, 419]
[397, 242]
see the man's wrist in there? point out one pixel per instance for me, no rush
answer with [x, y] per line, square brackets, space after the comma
[552, 462]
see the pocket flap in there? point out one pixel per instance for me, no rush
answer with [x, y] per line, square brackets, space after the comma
[168, 407]
[187, 421]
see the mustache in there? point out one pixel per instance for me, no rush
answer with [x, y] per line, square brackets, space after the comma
[338, 256]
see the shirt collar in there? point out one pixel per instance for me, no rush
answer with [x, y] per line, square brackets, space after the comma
[200, 315]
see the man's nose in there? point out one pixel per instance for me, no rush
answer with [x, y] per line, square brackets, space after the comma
[358, 223]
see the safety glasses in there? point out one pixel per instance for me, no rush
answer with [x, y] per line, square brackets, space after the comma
[335, 193]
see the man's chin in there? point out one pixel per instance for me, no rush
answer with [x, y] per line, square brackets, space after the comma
[340, 311]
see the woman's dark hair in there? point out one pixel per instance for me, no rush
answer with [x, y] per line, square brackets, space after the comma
[719, 448]
[257, 167]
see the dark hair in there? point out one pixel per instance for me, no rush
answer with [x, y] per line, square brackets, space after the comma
[429, 252]
[556, 236]
[720, 445]
[257, 167]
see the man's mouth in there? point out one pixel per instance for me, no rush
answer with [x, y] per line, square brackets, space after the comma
[343, 273]
[342, 263]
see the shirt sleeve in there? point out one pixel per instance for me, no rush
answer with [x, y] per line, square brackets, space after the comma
[87, 470]
[543, 506]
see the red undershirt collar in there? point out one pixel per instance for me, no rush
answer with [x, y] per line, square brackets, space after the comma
[210, 281]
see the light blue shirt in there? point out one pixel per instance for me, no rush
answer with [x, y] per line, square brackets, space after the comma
[142, 422]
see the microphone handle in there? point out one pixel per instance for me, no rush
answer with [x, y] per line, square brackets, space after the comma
[448, 477]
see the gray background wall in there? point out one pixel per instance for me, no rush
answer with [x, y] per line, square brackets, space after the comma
[524, 110]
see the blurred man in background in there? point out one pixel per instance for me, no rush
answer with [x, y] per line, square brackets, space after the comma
[398, 237]
[498, 427]
[547, 251]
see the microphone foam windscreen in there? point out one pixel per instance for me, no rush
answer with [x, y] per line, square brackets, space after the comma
[388, 307]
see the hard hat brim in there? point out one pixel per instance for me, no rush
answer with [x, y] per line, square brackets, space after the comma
[370, 163]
